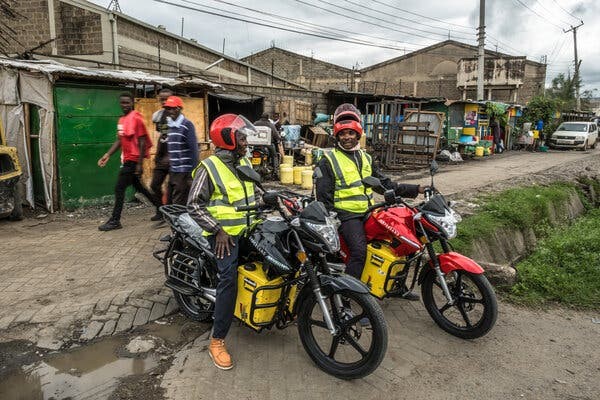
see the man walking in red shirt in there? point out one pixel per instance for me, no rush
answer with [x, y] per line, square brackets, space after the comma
[135, 143]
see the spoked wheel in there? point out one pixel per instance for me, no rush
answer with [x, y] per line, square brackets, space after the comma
[474, 310]
[182, 267]
[360, 342]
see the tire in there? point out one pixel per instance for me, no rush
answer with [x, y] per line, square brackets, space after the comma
[456, 280]
[193, 307]
[346, 361]
[17, 212]
[595, 144]
[585, 146]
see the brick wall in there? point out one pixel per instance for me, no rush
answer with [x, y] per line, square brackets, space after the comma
[78, 31]
[309, 72]
[273, 94]
[31, 29]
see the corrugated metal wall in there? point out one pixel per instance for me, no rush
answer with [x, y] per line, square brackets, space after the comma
[86, 122]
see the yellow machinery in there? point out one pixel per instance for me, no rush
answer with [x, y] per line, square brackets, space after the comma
[10, 172]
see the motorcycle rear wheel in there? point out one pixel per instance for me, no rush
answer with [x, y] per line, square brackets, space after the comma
[462, 286]
[344, 355]
[194, 307]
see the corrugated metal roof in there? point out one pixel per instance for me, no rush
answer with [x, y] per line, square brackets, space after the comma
[55, 68]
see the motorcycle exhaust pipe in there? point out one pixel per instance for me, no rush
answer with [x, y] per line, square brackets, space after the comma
[209, 294]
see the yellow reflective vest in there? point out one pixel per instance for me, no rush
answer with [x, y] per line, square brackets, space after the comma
[350, 194]
[230, 192]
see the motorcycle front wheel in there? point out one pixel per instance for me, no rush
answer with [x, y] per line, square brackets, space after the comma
[360, 342]
[474, 310]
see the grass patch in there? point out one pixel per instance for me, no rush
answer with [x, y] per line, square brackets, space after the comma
[520, 208]
[564, 268]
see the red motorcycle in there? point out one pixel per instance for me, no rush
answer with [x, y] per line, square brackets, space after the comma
[401, 239]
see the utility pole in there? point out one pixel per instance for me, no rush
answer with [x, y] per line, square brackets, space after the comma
[481, 50]
[577, 63]
[181, 26]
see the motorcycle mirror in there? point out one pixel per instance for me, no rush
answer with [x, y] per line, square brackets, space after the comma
[317, 173]
[248, 174]
[433, 167]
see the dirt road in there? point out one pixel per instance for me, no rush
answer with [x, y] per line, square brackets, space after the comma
[63, 280]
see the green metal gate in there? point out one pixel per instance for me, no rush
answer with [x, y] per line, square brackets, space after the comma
[86, 123]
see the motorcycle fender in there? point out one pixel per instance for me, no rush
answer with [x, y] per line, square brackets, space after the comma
[331, 284]
[454, 261]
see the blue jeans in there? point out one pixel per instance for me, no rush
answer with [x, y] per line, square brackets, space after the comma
[226, 289]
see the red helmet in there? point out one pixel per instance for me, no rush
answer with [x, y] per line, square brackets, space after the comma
[346, 116]
[224, 128]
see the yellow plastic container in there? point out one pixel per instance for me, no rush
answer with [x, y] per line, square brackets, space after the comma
[288, 160]
[298, 175]
[479, 151]
[287, 175]
[308, 158]
[380, 260]
[469, 130]
[251, 277]
[307, 181]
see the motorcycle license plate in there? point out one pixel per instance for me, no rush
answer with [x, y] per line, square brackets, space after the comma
[255, 160]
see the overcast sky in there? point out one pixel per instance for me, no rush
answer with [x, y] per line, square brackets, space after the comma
[533, 28]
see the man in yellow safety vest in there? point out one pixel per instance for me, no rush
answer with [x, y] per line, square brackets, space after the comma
[215, 193]
[341, 188]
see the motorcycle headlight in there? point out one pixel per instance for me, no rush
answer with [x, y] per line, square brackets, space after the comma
[447, 222]
[327, 232]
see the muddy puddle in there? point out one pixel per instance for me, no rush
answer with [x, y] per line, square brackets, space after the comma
[92, 371]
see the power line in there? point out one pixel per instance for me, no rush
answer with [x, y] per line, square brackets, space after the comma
[539, 15]
[405, 19]
[323, 36]
[360, 20]
[422, 16]
[332, 31]
[550, 12]
[574, 16]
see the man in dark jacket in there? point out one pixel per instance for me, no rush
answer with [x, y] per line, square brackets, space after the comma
[161, 158]
[341, 190]
[183, 150]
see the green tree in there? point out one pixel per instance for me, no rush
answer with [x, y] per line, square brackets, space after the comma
[543, 108]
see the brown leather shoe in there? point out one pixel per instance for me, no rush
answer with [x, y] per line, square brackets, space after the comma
[219, 355]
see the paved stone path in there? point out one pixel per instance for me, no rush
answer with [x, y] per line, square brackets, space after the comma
[63, 279]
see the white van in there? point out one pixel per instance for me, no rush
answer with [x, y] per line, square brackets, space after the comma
[579, 135]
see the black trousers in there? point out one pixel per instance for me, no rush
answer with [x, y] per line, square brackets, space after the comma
[158, 177]
[127, 177]
[226, 289]
[353, 232]
[179, 187]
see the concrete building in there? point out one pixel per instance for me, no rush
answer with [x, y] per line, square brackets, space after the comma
[307, 71]
[80, 33]
[445, 69]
